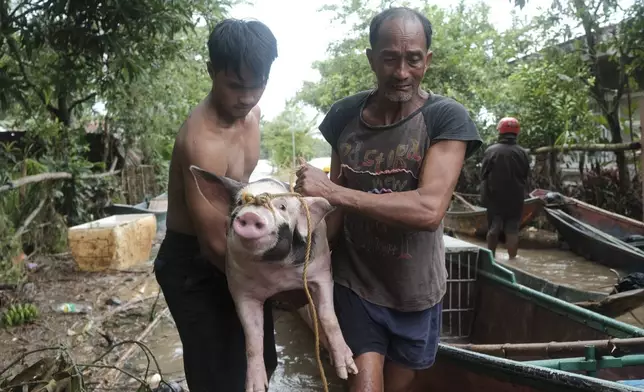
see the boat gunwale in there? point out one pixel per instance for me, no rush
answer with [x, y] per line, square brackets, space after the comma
[529, 372]
[490, 269]
[590, 207]
[608, 239]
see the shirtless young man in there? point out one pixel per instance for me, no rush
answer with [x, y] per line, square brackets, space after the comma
[221, 135]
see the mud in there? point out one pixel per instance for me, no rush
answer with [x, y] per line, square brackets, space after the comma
[56, 280]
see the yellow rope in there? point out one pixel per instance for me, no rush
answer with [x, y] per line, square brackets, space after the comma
[264, 200]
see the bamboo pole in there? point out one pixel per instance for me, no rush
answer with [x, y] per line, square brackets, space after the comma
[465, 202]
[614, 347]
[636, 145]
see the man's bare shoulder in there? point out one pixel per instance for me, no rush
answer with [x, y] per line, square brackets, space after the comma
[199, 132]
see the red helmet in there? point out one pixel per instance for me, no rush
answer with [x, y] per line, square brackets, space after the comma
[509, 125]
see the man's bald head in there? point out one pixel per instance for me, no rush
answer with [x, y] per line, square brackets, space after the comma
[399, 13]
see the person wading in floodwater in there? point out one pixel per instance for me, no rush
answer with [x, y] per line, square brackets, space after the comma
[504, 174]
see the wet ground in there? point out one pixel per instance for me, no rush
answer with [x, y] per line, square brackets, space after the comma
[297, 370]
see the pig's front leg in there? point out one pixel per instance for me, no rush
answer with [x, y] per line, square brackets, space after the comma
[251, 315]
[340, 352]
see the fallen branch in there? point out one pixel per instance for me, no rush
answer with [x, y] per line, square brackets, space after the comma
[123, 307]
[40, 373]
[113, 376]
[588, 147]
[56, 176]
[29, 219]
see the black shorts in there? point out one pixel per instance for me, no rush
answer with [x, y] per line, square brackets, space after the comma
[409, 339]
[506, 223]
[214, 352]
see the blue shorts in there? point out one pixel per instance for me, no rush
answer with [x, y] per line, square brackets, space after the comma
[409, 339]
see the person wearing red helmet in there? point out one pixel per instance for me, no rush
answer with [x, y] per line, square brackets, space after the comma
[504, 173]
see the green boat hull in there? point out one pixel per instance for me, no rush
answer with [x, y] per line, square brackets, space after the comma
[484, 304]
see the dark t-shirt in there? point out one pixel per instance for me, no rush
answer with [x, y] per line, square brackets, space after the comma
[386, 265]
[504, 173]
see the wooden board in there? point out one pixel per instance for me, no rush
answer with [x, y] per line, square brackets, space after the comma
[116, 242]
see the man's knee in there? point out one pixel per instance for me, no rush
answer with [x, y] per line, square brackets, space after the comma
[398, 378]
[370, 375]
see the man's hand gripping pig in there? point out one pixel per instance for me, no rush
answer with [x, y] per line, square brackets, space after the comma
[266, 245]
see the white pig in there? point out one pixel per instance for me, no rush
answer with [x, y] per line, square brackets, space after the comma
[265, 256]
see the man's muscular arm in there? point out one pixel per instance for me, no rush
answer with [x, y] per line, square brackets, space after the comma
[209, 221]
[420, 209]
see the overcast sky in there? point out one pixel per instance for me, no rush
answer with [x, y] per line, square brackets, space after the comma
[303, 35]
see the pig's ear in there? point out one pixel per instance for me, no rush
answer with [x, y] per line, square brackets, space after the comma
[319, 207]
[215, 189]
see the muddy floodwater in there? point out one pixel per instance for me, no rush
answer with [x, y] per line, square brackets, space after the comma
[297, 369]
[564, 267]
[557, 265]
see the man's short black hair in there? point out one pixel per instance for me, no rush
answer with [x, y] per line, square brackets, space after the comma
[395, 13]
[235, 44]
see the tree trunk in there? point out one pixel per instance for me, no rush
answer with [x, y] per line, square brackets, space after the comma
[616, 135]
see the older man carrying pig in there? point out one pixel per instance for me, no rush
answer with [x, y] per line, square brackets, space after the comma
[397, 155]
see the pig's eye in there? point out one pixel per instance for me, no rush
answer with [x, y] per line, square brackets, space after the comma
[283, 207]
[239, 202]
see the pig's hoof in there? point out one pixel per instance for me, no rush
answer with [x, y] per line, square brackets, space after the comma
[344, 364]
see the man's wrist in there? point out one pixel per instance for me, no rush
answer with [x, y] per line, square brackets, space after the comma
[335, 197]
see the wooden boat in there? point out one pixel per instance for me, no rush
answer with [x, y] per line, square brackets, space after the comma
[474, 223]
[618, 226]
[595, 245]
[610, 305]
[157, 206]
[496, 336]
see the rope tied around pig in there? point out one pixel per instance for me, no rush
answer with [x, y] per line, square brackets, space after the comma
[264, 200]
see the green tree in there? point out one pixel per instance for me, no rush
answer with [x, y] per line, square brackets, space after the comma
[278, 135]
[150, 110]
[469, 61]
[57, 55]
[609, 46]
[551, 101]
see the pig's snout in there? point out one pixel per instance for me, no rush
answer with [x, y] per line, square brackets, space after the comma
[250, 226]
